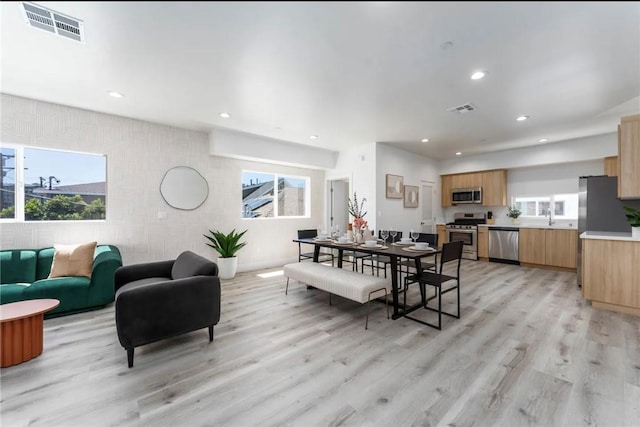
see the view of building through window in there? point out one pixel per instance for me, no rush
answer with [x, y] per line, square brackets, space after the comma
[258, 195]
[58, 185]
[565, 206]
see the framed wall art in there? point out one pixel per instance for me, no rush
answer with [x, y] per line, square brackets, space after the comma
[411, 196]
[394, 186]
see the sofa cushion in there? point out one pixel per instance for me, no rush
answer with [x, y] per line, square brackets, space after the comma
[72, 292]
[73, 260]
[17, 266]
[12, 292]
[43, 266]
[189, 264]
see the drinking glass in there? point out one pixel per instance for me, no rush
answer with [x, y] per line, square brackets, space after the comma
[385, 235]
[414, 235]
[393, 234]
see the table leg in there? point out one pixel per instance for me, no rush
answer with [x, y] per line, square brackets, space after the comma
[394, 286]
[340, 252]
[316, 253]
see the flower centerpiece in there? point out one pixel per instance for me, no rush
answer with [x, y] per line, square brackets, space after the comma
[513, 212]
[357, 211]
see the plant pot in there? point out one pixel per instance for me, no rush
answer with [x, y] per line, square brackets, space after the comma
[227, 267]
[635, 233]
[515, 221]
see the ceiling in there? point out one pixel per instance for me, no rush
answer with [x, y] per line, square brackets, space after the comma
[351, 73]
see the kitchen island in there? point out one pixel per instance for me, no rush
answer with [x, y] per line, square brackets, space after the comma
[611, 271]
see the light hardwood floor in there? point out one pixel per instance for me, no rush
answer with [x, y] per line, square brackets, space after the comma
[528, 350]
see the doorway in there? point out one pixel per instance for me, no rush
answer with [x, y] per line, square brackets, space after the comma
[428, 221]
[337, 209]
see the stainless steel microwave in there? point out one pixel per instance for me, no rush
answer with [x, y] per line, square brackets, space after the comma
[466, 195]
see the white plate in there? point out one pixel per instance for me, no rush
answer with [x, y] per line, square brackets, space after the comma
[315, 239]
[374, 247]
[344, 244]
[404, 243]
[413, 249]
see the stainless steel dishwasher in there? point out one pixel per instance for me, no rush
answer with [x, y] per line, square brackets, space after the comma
[503, 244]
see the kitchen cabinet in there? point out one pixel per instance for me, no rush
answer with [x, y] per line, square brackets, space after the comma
[494, 188]
[609, 274]
[629, 157]
[466, 180]
[611, 166]
[483, 243]
[446, 191]
[531, 246]
[561, 248]
[442, 234]
[493, 184]
[548, 247]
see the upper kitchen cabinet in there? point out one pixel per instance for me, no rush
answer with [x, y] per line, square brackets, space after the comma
[446, 191]
[611, 166]
[494, 188]
[466, 180]
[629, 157]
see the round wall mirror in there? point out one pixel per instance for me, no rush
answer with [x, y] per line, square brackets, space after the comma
[184, 188]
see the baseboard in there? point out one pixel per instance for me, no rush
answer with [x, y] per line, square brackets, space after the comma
[549, 267]
[617, 308]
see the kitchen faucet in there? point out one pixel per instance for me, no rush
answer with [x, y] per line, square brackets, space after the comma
[550, 217]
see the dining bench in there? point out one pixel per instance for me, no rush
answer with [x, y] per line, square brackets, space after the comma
[345, 283]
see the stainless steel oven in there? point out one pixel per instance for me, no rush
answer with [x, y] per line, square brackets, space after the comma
[465, 229]
[469, 238]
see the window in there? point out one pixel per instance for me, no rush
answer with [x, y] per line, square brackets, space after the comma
[565, 206]
[52, 185]
[274, 196]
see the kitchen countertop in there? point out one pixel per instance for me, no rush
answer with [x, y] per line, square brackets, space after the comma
[611, 235]
[541, 226]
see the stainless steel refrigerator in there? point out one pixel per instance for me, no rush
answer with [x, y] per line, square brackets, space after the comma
[599, 209]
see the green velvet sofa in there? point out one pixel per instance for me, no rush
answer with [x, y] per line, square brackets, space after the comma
[24, 272]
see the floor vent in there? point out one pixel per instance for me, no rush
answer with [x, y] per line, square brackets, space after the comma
[53, 22]
[462, 109]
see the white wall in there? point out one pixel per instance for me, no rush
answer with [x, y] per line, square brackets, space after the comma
[138, 155]
[575, 150]
[245, 146]
[358, 165]
[414, 169]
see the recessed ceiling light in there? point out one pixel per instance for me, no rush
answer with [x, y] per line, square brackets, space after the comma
[225, 115]
[522, 118]
[115, 94]
[543, 140]
[425, 140]
[477, 75]
[459, 153]
[313, 137]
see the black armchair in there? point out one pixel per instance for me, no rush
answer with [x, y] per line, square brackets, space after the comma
[160, 300]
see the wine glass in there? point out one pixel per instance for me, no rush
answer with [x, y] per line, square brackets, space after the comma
[385, 235]
[414, 235]
[393, 234]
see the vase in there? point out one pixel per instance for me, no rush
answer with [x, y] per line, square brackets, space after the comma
[635, 233]
[227, 267]
[515, 221]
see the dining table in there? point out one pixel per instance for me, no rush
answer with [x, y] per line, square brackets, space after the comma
[394, 251]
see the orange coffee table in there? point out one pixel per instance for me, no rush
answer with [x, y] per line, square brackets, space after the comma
[22, 329]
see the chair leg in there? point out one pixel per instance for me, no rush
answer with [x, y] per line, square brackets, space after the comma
[286, 290]
[386, 302]
[366, 323]
[458, 291]
[329, 298]
[130, 357]
[210, 333]
[439, 290]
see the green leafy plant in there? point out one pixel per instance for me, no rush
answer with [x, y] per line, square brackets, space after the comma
[227, 245]
[633, 216]
[355, 209]
[513, 212]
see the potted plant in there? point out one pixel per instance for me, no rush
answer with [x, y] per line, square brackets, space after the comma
[633, 216]
[227, 245]
[513, 213]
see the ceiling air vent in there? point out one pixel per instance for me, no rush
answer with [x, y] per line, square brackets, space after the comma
[462, 109]
[53, 22]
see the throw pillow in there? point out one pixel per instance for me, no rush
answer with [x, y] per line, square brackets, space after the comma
[73, 260]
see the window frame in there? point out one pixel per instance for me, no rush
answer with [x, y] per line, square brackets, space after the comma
[551, 199]
[276, 213]
[19, 200]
